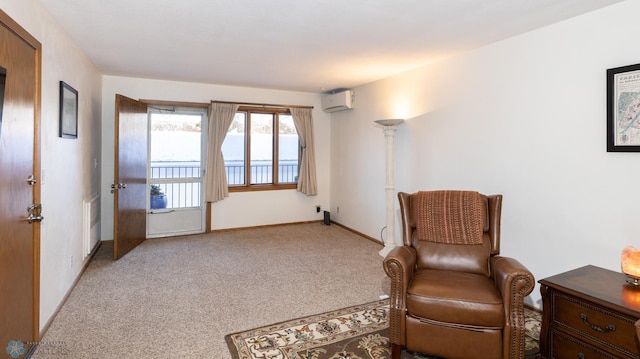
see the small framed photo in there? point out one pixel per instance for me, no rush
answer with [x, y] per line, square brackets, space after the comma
[68, 111]
[623, 109]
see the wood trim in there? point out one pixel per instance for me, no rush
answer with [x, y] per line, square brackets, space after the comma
[37, 171]
[275, 114]
[358, 233]
[261, 105]
[264, 109]
[263, 187]
[303, 222]
[262, 226]
[175, 103]
[14, 27]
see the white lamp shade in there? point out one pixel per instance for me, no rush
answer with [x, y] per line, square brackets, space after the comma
[390, 122]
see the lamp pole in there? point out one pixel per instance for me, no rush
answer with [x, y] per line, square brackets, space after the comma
[389, 127]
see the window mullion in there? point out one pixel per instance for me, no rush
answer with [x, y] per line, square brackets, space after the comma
[274, 157]
[247, 151]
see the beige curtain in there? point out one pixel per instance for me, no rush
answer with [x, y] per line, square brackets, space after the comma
[220, 118]
[307, 182]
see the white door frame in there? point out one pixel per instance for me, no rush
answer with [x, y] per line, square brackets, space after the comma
[178, 221]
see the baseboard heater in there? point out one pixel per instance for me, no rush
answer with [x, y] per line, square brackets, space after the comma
[90, 224]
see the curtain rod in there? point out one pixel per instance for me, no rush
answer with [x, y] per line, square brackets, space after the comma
[263, 105]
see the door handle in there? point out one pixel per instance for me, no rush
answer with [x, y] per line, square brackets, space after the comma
[119, 186]
[34, 218]
[35, 213]
[31, 180]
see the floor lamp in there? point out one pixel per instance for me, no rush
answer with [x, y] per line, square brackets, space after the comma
[389, 127]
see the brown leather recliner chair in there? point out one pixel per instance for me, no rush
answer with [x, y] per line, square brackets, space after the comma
[452, 294]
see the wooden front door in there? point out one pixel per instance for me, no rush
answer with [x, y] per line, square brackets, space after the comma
[19, 188]
[130, 180]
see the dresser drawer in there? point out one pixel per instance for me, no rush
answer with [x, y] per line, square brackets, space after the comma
[594, 323]
[566, 347]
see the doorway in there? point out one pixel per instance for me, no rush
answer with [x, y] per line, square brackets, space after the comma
[175, 171]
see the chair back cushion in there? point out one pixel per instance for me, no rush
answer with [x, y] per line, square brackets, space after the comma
[453, 217]
[456, 238]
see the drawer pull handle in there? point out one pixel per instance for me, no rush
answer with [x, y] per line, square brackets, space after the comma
[607, 329]
[581, 356]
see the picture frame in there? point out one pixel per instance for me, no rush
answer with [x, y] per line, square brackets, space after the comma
[68, 111]
[623, 109]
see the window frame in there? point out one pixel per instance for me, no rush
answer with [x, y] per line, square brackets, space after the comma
[248, 186]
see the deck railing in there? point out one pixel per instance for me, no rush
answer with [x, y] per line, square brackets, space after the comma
[287, 173]
[181, 181]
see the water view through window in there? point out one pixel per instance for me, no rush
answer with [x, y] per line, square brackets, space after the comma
[175, 171]
[261, 147]
[175, 152]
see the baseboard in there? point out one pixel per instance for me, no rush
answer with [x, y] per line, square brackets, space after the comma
[45, 328]
[262, 226]
[358, 233]
[294, 223]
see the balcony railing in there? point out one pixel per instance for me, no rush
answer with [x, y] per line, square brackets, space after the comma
[175, 170]
[261, 173]
[181, 181]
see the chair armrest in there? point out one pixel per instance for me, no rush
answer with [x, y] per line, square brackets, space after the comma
[399, 265]
[514, 282]
[512, 278]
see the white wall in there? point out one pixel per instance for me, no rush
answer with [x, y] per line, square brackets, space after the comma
[525, 117]
[70, 173]
[239, 209]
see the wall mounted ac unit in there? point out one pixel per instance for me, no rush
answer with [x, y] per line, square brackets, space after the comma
[338, 101]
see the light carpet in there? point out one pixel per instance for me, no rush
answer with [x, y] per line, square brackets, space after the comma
[178, 297]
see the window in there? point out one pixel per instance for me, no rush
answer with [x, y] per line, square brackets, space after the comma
[267, 140]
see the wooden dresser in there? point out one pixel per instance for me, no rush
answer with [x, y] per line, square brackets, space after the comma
[589, 313]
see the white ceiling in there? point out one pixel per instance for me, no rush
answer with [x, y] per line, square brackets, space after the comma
[301, 45]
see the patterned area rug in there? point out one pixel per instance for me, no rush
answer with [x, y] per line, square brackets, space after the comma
[359, 332]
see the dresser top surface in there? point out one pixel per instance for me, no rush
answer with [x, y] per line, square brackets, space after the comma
[601, 285]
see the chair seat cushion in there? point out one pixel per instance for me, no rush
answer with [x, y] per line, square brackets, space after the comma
[455, 297]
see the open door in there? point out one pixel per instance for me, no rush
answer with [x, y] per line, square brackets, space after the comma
[130, 175]
[20, 210]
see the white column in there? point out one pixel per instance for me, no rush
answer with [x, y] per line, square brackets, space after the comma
[389, 128]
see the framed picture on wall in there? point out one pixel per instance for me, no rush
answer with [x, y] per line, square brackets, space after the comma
[623, 109]
[68, 111]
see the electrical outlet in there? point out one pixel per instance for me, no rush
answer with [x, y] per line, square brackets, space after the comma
[318, 209]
